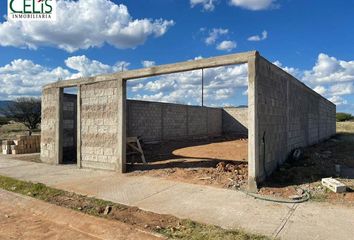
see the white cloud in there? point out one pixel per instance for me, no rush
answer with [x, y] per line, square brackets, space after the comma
[226, 45]
[147, 64]
[219, 84]
[320, 90]
[337, 100]
[342, 89]
[83, 24]
[293, 71]
[330, 70]
[137, 87]
[214, 34]
[86, 67]
[208, 5]
[257, 38]
[254, 5]
[25, 78]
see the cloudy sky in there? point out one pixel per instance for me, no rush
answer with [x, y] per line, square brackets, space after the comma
[313, 40]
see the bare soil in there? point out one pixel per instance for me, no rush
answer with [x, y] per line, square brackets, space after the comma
[144, 221]
[219, 162]
[318, 162]
[27, 218]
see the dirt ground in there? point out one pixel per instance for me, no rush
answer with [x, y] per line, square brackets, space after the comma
[318, 162]
[219, 162]
[223, 163]
[23, 218]
[35, 211]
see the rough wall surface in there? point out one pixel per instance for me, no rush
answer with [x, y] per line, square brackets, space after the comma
[235, 120]
[49, 125]
[69, 127]
[290, 115]
[99, 123]
[155, 121]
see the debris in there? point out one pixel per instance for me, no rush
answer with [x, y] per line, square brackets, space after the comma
[146, 226]
[7, 216]
[107, 210]
[334, 185]
[220, 167]
[297, 154]
[13, 188]
[300, 191]
[79, 208]
[204, 178]
[158, 228]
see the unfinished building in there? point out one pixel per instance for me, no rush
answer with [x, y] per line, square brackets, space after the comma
[91, 127]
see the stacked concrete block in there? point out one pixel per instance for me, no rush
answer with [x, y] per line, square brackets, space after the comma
[22, 145]
[197, 121]
[175, 121]
[49, 124]
[289, 115]
[154, 121]
[144, 119]
[214, 120]
[235, 120]
[99, 125]
[6, 146]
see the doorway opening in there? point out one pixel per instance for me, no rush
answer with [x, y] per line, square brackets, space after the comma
[69, 126]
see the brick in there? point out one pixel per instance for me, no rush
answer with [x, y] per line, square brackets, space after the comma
[334, 185]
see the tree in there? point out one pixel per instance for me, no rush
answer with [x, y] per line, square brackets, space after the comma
[25, 110]
[341, 117]
[3, 120]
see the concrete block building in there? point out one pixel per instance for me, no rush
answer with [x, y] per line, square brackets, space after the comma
[91, 127]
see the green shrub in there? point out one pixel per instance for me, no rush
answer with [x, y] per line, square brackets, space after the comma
[4, 120]
[341, 117]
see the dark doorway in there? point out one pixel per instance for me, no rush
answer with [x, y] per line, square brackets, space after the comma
[69, 126]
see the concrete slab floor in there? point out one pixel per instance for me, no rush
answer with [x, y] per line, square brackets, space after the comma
[222, 207]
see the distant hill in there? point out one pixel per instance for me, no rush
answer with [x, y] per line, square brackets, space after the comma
[4, 103]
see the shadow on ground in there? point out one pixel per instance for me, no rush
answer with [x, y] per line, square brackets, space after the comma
[197, 153]
[319, 161]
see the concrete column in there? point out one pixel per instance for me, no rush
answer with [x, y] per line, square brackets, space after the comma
[121, 133]
[253, 146]
[78, 128]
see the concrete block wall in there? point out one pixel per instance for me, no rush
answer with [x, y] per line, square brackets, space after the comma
[155, 121]
[235, 120]
[49, 125]
[69, 127]
[290, 115]
[99, 125]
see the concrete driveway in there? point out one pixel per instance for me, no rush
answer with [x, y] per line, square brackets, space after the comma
[222, 207]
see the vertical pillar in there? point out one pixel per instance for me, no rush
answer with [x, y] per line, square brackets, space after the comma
[59, 127]
[253, 140]
[78, 128]
[121, 92]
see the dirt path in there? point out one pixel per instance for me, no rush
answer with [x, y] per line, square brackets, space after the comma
[26, 218]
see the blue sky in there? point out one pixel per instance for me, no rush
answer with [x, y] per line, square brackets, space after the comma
[313, 40]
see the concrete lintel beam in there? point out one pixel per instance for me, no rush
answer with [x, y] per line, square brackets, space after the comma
[219, 61]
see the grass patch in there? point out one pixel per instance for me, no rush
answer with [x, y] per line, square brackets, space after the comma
[345, 127]
[190, 230]
[167, 225]
[10, 131]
